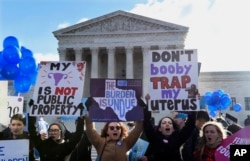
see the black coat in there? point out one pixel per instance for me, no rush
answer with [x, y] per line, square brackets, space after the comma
[82, 152]
[189, 146]
[50, 150]
[167, 148]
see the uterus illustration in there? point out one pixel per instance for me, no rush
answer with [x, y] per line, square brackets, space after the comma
[57, 77]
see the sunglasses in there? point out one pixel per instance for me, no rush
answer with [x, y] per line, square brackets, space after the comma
[115, 127]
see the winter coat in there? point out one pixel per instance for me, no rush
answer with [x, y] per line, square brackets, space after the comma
[189, 146]
[113, 150]
[51, 150]
[167, 148]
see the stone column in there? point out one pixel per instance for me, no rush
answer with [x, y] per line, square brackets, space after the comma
[145, 53]
[62, 54]
[111, 62]
[78, 54]
[94, 62]
[129, 63]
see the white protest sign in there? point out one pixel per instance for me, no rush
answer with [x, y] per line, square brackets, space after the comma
[3, 94]
[59, 88]
[11, 150]
[14, 106]
[173, 80]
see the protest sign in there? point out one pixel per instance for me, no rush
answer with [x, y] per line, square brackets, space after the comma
[14, 106]
[242, 137]
[138, 150]
[3, 100]
[3, 93]
[59, 88]
[13, 150]
[115, 100]
[173, 80]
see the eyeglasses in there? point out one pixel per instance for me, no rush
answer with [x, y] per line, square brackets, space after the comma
[54, 130]
[115, 127]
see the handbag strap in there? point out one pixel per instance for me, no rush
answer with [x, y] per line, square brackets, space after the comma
[100, 158]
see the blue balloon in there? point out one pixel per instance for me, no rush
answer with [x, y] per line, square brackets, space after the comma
[33, 77]
[2, 61]
[225, 101]
[11, 41]
[208, 94]
[26, 52]
[22, 84]
[237, 107]
[12, 54]
[10, 71]
[212, 113]
[208, 98]
[212, 108]
[216, 98]
[27, 64]
[220, 91]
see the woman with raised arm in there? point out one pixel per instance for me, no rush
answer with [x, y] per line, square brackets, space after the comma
[114, 141]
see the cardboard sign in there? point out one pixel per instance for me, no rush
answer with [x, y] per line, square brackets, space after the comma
[14, 106]
[242, 137]
[3, 93]
[59, 88]
[11, 150]
[115, 100]
[173, 80]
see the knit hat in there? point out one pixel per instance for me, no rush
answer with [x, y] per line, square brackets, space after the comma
[61, 127]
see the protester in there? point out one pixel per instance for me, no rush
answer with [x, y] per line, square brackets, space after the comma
[16, 131]
[188, 147]
[52, 146]
[212, 134]
[114, 141]
[166, 139]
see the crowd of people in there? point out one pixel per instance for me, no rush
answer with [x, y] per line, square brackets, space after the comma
[184, 136]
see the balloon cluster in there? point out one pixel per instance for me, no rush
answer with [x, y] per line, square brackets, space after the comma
[218, 101]
[17, 64]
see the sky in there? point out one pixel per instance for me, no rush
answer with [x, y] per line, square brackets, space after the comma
[218, 29]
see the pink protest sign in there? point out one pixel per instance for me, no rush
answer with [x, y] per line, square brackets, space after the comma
[242, 137]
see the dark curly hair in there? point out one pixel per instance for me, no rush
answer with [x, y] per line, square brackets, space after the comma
[124, 130]
[175, 126]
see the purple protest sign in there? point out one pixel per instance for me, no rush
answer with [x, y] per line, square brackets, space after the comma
[115, 100]
[242, 137]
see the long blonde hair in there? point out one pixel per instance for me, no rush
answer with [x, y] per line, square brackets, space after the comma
[202, 140]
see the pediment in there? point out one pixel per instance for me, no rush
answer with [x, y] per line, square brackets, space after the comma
[120, 22]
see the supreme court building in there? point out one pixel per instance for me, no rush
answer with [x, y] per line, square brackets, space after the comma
[116, 45]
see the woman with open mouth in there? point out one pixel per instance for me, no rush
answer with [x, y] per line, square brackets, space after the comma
[114, 141]
[212, 134]
[166, 138]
